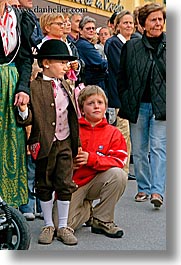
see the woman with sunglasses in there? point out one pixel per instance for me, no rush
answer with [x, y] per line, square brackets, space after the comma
[95, 66]
[52, 25]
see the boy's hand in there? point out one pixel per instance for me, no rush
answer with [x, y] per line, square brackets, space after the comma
[22, 107]
[81, 159]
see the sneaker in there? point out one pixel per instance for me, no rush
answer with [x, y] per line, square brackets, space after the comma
[46, 235]
[29, 216]
[106, 228]
[66, 235]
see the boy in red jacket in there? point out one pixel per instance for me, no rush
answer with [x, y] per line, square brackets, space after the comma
[98, 167]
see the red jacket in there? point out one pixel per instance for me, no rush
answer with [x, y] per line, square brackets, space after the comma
[106, 147]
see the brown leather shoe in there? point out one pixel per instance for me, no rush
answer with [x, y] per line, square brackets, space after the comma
[109, 229]
[66, 235]
[46, 235]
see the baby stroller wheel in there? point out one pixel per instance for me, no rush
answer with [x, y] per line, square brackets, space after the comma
[15, 234]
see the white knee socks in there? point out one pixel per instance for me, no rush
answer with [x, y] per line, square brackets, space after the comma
[63, 209]
[47, 212]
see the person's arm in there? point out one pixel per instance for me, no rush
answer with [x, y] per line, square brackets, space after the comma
[24, 61]
[115, 157]
[96, 59]
[113, 55]
[106, 45]
[122, 74]
[91, 56]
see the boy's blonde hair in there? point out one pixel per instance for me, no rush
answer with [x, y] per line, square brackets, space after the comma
[47, 19]
[89, 91]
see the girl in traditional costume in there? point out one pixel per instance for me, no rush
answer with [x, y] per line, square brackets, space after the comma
[16, 27]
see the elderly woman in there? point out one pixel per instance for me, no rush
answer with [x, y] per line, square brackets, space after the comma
[95, 66]
[142, 91]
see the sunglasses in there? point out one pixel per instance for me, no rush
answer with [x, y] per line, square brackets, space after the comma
[90, 28]
[60, 24]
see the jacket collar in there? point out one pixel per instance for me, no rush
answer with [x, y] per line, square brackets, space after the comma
[161, 46]
[84, 122]
[148, 45]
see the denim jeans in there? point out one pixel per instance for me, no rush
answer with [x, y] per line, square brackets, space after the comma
[149, 136]
[30, 206]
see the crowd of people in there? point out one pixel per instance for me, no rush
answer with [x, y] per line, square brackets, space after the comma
[76, 101]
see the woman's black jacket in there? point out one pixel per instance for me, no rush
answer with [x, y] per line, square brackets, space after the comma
[137, 67]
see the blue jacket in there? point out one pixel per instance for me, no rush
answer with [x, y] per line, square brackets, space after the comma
[113, 52]
[95, 66]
